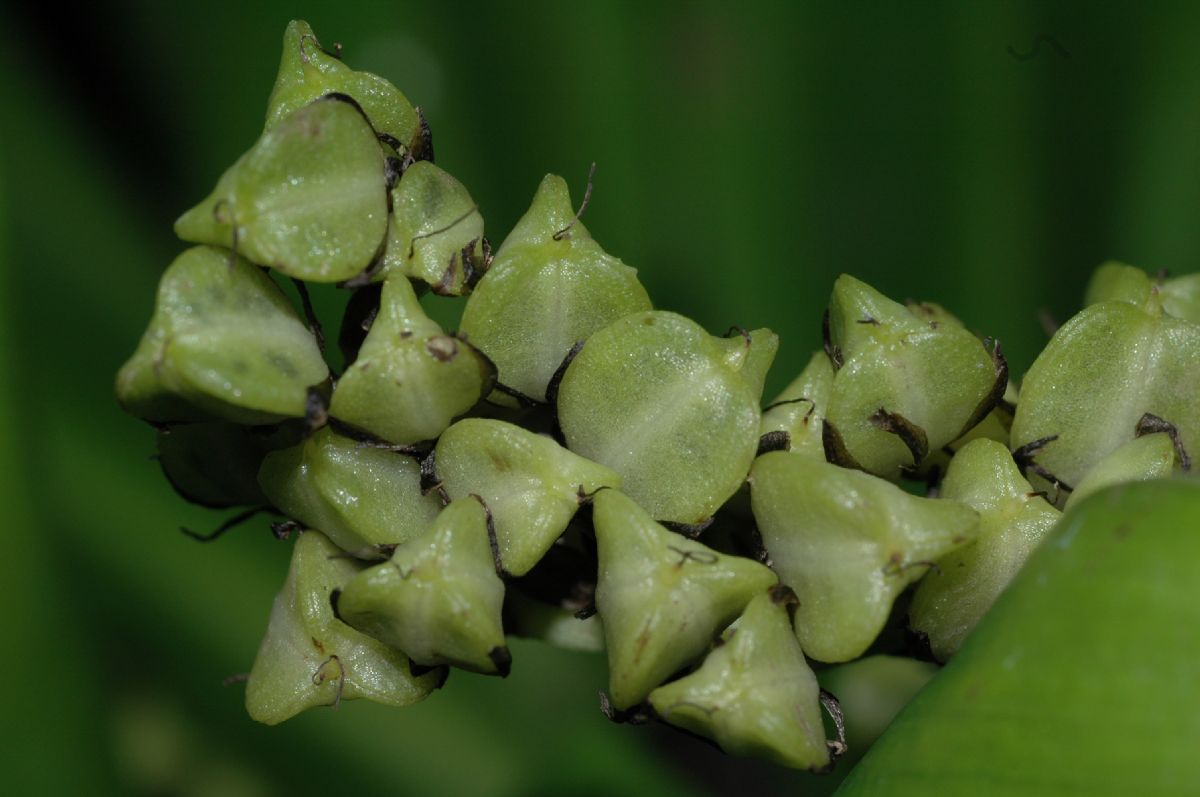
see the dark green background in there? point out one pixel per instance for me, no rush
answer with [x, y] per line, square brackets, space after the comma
[747, 153]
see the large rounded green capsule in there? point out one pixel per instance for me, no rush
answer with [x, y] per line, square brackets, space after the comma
[661, 596]
[848, 543]
[436, 232]
[306, 72]
[1099, 376]
[309, 658]
[907, 382]
[357, 496]
[755, 694]
[439, 597]
[224, 342]
[410, 380]
[309, 199]
[1013, 519]
[672, 409]
[550, 287]
[532, 485]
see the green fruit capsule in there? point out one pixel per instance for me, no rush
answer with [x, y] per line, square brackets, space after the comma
[531, 484]
[550, 286]
[554, 625]
[410, 379]
[439, 598]
[1097, 378]
[755, 694]
[357, 496]
[216, 464]
[1178, 297]
[848, 543]
[307, 72]
[309, 658]
[906, 383]
[799, 410]
[309, 199]
[670, 408]
[661, 596]
[224, 342]
[1151, 456]
[436, 232]
[952, 597]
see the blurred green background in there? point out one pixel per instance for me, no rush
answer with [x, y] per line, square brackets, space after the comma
[747, 153]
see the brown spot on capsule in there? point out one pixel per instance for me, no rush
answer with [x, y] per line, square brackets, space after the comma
[442, 348]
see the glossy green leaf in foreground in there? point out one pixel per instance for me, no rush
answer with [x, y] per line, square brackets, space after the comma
[848, 543]
[906, 383]
[1102, 372]
[531, 484]
[672, 409]
[662, 597]
[439, 597]
[1084, 678]
[1013, 519]
[550, 286]
[755, 694]
[309, 199]
[309, 658]
[410, 379]
[307, 71]
[435, 233]
[357, 496]
[224, 342]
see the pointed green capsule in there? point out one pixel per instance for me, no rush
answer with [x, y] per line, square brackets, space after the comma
[357, 496]
[439, 598]
[1177, 296]
[306, 72]
[661, 596]
[799, 410]
[531, 484]
[755, 694]
[1151, 456]
[906, 383]
[848, 543]
[309, 658]
[216, 464]
[224, 342]
[1096, 379]
[1013, 519]
[309, 199]
[436, 232]
[410, 379]
[672, 409]
[550, 286]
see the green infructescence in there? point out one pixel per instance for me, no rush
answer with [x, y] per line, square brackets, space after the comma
[578, 466]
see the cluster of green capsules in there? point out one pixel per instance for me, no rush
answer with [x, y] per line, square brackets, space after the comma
[576, 466]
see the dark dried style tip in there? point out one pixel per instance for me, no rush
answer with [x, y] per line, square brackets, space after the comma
[587, 197]
[783, 595]
[910, 434]
[637, 715]
[421, 148]
[283, 529]
[316, 409]
[833, 352]
[556, 377]
[502, 658]
[778, 440]
[1152, 424]
[838, 747]
[232, 523]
